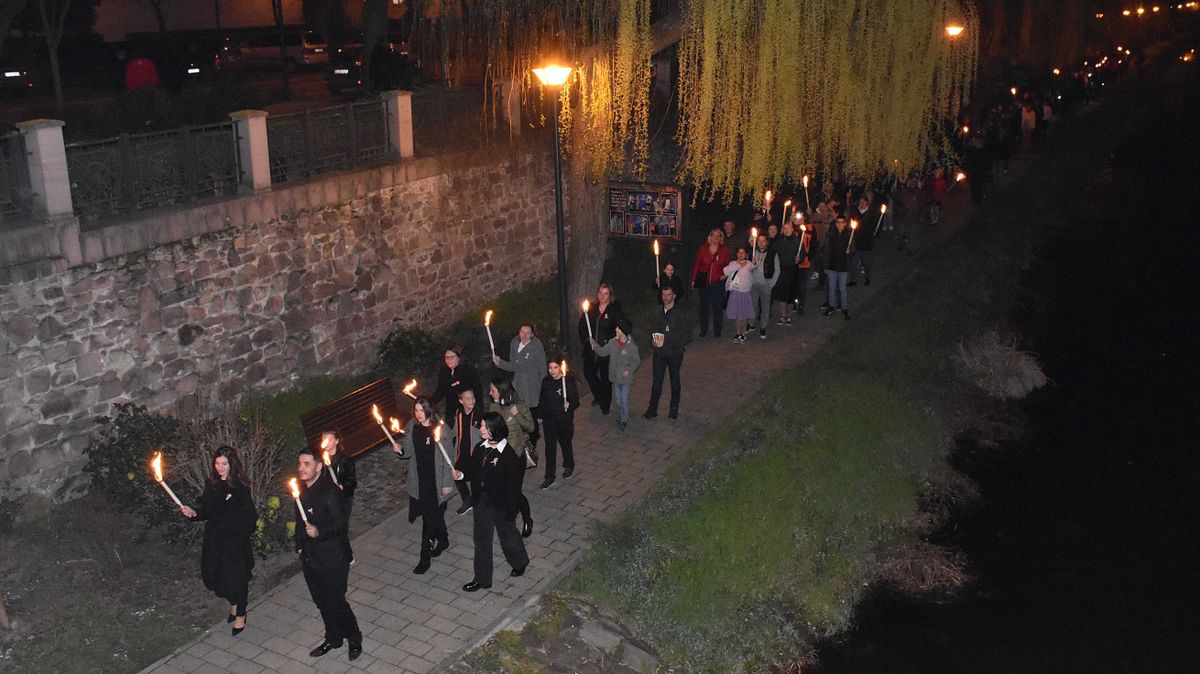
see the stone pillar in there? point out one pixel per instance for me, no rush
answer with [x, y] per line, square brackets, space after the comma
[253, 153]
[510, 104]
[48, 180]
[398, 105]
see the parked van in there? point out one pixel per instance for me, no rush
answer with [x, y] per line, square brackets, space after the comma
[301, 48]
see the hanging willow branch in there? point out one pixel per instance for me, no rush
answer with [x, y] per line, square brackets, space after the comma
[771, 89]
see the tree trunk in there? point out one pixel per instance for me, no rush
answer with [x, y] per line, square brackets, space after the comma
[55, 74]
[158, 15]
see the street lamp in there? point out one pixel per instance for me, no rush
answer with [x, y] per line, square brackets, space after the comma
[954, 30]
[555, 76]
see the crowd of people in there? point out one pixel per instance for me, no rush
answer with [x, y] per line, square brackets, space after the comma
[752, 274]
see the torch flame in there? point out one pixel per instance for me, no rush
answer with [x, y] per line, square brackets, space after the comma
[586, 304]
[883, 209]
[787, 204]
[395, 425]
[767, 197]
[375, 413]
[960, 177]
[803, 229]
[408, 388]
[804, 181]
[295, 487]
[754, 233]
[487, 318]
[156, 466]
[656, 246]
[437, 432]
[325, 442]
[854, 224]
[798, 217]
[325, 458]
[564, 368]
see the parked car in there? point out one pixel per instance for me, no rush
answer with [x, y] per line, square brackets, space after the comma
[15, 79]
[345, 71]
[301, 48]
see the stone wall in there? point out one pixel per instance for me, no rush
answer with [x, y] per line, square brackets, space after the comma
[253, 294]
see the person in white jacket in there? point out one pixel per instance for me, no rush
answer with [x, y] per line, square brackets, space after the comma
[766, 273]
[739, 279]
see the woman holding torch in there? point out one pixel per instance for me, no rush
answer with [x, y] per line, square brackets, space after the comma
[602, 317]
[226, 558]
[455, 376]
[527, 362]
[841, 246]
[430, 482]
[520, 422]
[557, 402]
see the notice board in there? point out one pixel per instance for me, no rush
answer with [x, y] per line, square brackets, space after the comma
[645, 211]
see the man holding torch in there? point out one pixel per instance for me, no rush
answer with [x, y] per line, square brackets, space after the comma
[321, 519]
[841, 246]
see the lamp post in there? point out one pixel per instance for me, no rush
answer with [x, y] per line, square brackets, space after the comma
[555, 76]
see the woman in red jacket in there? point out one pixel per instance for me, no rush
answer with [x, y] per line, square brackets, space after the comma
[708, 277]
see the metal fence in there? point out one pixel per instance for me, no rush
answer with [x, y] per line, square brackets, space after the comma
[14, 180]
[306, 144]
[131, 173]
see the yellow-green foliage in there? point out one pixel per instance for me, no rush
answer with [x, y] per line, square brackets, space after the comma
[771, 89]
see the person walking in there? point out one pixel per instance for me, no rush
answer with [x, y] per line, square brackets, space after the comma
[707, 278]
[557, 402]
[602, 316]
[670, 335]
[841, 250]
[623, 360]
[227, 510]
[787, 245]
[803, 268]
[867, 216]
[765, 274]
[519, 420]
[465, 426]
[527, 362]
[668, 277]
[430, 482]
[341, 468]
[496, 508]
[324, 558]
[454, 376]
[738, 282]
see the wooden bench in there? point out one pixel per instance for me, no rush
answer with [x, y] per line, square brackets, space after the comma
[350, 416]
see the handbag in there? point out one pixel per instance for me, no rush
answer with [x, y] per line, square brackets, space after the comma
[531, 455]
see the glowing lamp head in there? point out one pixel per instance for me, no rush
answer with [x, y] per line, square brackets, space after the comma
[294, 487]
[156, 466]
[954, 30]
[375, 413]
[552, 75]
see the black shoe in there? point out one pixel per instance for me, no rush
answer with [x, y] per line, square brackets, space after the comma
[703, 333]
[673, 414]
[845, 314]
[518, 572]
[851, 284]
[527, 529]
[568, 472]
[475, 587]
[762, 333]
[230, 618]
[603, 410]
[355, 649]
[799, 311]
[464, 508]
[439, 548]
[650, 414]
[324, 648]
[239, 630]
[595, 402]
[868, 282]
[546, 483]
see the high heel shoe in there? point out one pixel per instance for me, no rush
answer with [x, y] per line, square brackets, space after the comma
[230, 618]
[238, 630]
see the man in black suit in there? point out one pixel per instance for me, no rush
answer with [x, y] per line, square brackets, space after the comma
[325, 554]
[497, 501]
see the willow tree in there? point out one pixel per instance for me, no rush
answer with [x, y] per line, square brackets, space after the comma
[772, 89]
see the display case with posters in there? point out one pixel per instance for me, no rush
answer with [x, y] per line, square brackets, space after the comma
[643, 211]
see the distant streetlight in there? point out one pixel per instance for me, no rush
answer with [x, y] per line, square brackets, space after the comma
[1126, 13]
[555, 76]
[954, 30]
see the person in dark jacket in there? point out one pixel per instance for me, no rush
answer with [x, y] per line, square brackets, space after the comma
[841, 241]
[867, 214]
[454, 376]
[520, 421]
[497, 504]
[556, 407]
[430, 482]
[227, 510]
[787, 247]
[670, 334]
[670, 278]
[323, 555]
[465, 426]
[602, 317]
[341, 469]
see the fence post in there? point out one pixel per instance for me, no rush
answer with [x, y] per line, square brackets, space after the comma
[254, 157]
[46, 154]
[398, 105]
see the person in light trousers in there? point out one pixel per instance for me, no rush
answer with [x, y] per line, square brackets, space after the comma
[623, 360]
[765, 275]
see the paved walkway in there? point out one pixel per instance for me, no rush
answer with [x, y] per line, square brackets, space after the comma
[425, 623]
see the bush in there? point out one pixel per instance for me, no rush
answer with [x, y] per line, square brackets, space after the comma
[409, 352]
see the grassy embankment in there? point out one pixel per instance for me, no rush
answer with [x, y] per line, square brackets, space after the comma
[767, 535]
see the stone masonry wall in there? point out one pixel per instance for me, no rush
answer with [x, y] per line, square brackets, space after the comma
[254, 294]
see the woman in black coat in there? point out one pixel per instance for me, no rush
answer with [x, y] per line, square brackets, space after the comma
[455, 376]
[226, 558]
[602, 316]
[497, 504]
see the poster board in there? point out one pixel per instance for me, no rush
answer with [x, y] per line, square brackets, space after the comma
[645, 211]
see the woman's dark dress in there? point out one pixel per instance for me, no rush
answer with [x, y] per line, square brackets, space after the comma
[227, 558]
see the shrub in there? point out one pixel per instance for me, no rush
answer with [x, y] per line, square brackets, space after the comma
[997, 366]
[408, 352]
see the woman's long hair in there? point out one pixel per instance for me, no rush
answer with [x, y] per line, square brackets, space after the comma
[237, 473]
[427, 408]
[508, 394]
